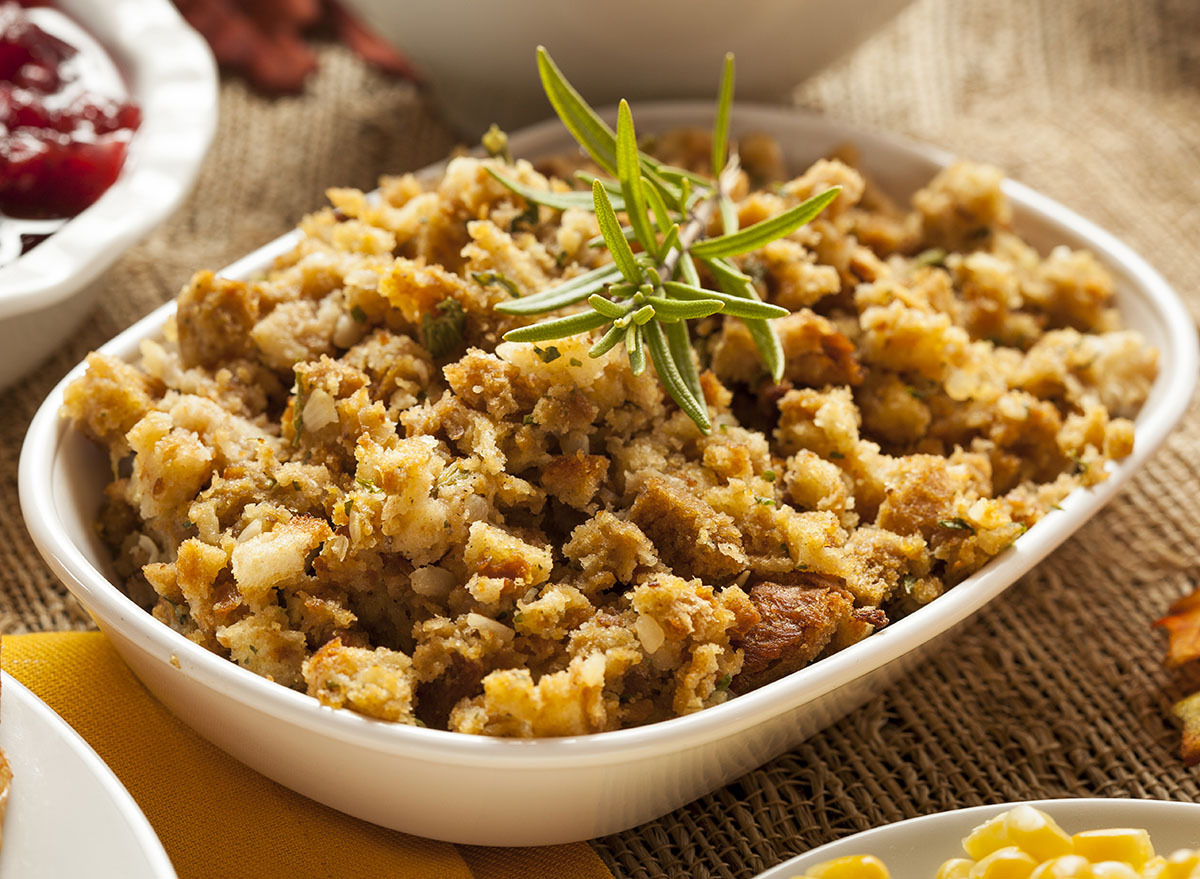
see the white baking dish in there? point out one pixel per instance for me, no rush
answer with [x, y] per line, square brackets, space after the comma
[508, 792]
[172, 77]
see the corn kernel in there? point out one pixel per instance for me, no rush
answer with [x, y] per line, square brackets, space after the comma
[1065, 867]
[851, 867]
[1127, 845]
[955, 868]
[1181, 864]
[1004, 863]
[1114, 870]
[987, 838]
[1035, 832]
[1156, 868]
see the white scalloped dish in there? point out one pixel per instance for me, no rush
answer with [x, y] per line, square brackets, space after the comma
[917, 847]
[172, 77]
[68, 815]
[523, 792]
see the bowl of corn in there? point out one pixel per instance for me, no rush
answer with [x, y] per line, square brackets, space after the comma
[1111, 839]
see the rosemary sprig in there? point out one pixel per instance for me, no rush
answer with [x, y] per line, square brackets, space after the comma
[646, 297]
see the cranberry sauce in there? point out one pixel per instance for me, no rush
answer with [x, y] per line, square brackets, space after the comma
[65, 115]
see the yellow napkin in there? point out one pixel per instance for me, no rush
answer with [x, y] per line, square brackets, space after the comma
[218, 818]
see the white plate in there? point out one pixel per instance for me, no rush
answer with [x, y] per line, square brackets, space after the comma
[914, 849]
[68, 815]
[172, 77]
[485, 791]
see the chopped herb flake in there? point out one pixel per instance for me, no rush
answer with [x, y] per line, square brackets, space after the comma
[548, 354]
[837, 456]
[358, 314]
[956, 524]
[487, 279]
[528, 419]
[723, 684]
[442, 329]
[934, 256]
[368, 484]
[348, 506]
[764, 501]
[526, 219]
[575, 361]
[768, 475]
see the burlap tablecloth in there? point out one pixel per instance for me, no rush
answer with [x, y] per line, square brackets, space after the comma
[1057, 688]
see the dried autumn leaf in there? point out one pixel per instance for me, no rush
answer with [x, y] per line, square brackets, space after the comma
[267, 41]
[1182, 623]
[1187, 711]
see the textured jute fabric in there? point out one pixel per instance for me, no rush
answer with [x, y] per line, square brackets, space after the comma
[1056, 689]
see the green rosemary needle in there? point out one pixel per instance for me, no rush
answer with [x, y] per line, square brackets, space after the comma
[653, 293]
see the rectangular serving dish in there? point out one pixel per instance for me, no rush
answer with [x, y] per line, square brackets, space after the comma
[487, 791]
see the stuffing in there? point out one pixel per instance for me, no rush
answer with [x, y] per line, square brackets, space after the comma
[338, 476]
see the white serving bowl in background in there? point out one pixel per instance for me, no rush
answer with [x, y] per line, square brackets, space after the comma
[486, 791]
[478, 58]
[917, 847]
[171, 75]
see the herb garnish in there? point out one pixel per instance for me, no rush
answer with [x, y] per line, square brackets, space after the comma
[486, 279]
[957, 524]
[442, 332]
[652, 294]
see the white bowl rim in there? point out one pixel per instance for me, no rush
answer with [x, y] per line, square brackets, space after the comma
[1179, 359]
[179, 117]
[974, 815]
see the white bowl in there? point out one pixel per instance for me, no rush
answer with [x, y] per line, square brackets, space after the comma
[171, 75]
[478, 58]
[68, 815]
[917, 847]
[508, 792]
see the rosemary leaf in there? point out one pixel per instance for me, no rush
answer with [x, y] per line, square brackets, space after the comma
[611, 230]
[679, 343]
[673, 308]
[762, 332]
[559, 201]
[687, 269]
[729, 217]
[598, 243]
[629, 171]
[735, 304]
[633, 344]
[567, 293]
[721, 126]
[643, 315]
[557, 328]
[765, 231]
[670, 242]
[613, 187]
[770, 349]
[668, 374]
[662, 216]
[585, 126]
[607, 307]
[606, 342]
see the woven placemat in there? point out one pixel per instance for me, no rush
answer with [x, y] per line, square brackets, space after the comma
[1056, 689]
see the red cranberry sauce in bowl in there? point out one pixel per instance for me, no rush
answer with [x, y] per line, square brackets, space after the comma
[65, 118]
